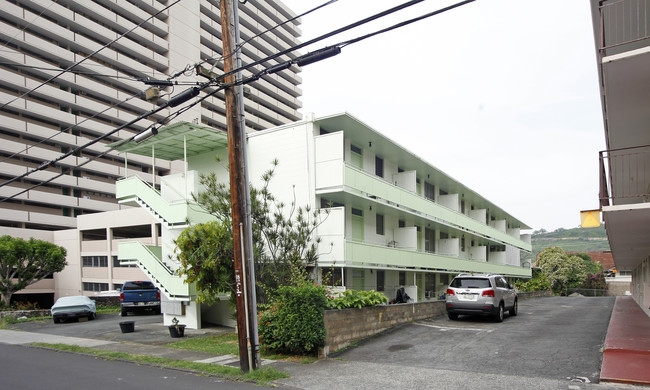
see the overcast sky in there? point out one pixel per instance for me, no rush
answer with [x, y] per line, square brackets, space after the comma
[502, 95]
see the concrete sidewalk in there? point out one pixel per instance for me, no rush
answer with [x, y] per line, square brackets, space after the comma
[626, 353]
[20, 337]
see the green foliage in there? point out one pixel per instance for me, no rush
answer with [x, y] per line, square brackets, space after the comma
[594, 282]
[19, 306]
[25, 262]
[206, 255]
[358, 299]
[539, 282]
[283, 239]
[295, 325]
[563, 271]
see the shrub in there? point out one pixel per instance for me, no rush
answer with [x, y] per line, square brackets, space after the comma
[19, 306]
[539, 282]
[595, 282]
[295, 324]
[358, 299]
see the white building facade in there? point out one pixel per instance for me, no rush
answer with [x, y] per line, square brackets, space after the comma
[388, 218]
[45, 112]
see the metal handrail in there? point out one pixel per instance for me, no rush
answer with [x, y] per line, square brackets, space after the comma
[623, 22]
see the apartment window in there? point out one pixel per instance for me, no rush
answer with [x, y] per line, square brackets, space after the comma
[96, 287]
[379, 166]
[356, 156]
[444, 236]
[429, 191]
[380, 224]
[402, 223]
[443, 192]
[402, 278]
[117, 263]
[117, 286]
[462, 244]
[462, 206]
[381, 277]
[95, 261]
[429, 240]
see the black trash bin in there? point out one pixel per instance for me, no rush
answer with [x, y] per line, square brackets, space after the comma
[127, 326]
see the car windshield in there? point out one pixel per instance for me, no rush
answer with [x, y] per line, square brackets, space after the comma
[470, 283]
[139, 286]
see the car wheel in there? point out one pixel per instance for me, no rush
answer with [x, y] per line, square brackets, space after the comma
[124, 313]
[56, 320]
[452, 316]
[91, 316]
[499, 316]
[515, 308]
[157, 311]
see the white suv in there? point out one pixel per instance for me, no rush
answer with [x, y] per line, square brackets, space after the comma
[481, 295]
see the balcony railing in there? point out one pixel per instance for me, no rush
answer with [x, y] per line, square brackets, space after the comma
[625, 176]
[623, 22]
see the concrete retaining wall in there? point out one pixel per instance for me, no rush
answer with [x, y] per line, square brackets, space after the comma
[349, 325]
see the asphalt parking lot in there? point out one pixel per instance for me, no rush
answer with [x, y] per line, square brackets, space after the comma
[555, 338]
[149, 329]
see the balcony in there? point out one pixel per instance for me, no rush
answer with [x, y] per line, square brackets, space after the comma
[624, 25]
[338, 250]
[625, 176]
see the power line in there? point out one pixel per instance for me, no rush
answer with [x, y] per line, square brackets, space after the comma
[71, 127]
[90, 55]
[238, 47]
[324, 36]
[301, 61]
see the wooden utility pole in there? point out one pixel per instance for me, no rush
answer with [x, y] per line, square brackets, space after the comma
[237, 181]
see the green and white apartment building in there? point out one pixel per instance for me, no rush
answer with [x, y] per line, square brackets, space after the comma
[393, 220]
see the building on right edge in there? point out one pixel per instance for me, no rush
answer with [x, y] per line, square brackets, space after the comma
[622, 36]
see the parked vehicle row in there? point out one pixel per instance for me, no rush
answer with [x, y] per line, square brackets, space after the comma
[134, 296]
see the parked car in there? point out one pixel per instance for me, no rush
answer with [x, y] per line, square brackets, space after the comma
[139, 296]
[488, 295]
[73, 307]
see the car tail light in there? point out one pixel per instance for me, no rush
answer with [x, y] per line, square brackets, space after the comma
[158, 294]
[488, 293]
[121, 296]
[450, 292]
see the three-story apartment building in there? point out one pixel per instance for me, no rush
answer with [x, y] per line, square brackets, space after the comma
[389, 219]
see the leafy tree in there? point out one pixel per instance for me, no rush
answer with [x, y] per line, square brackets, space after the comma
[25, 262]
[283, 240]
[563, 271]
[206, 256]
[539, 282]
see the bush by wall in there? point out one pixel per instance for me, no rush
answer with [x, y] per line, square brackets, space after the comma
[295, 323]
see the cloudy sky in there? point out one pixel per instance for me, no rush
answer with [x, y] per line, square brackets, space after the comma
[502, 95]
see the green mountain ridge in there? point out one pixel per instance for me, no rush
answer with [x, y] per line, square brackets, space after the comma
[571, 240]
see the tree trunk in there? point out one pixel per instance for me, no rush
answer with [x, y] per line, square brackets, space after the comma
[6, 297]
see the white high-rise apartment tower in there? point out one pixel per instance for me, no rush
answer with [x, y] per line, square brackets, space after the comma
[40, 38]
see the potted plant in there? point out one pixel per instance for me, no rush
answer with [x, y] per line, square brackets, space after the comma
[176, 330]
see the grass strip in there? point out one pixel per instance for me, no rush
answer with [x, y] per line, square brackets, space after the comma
[261, 377]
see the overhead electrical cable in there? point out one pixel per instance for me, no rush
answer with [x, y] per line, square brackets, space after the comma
[239, 46]
[306, 59]
[90, 55]
[71, 127]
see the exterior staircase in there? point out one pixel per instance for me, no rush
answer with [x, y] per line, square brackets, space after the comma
[149, 259]
[173, 216]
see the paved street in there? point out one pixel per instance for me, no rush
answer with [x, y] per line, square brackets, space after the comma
[554, 343]
[33, 368]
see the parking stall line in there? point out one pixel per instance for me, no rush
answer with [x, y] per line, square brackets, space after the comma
[446, 328]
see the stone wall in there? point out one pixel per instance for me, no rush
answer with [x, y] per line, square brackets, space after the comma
[534, 294]
[346, 326]
[349, 325]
